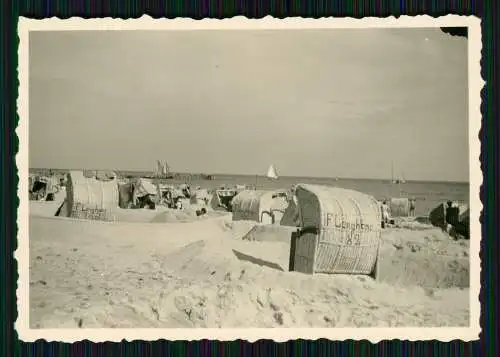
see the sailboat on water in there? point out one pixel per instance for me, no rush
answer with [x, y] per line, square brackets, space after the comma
[162, 170]
[271, 173]
[157, 172]
[396, 180]
[402, 178]
[165, 170]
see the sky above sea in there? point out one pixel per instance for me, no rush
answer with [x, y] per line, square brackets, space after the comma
[318, 103]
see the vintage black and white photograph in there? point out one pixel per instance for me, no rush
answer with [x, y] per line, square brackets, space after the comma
[249, 178]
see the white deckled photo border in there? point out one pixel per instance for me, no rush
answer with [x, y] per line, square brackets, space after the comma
[476, 83]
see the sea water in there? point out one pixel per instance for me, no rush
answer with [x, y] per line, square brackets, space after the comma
[427, 194]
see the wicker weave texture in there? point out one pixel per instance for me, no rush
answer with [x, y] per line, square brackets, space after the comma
[400, 207]
[89, 198]
[346, 231]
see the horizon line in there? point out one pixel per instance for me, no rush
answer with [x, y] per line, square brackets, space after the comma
[259, 175]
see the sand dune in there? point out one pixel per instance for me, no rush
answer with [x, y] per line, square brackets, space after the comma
[203, 274]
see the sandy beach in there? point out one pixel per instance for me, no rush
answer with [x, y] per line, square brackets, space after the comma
[93, 274]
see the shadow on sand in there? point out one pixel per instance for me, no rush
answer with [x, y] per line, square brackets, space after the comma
[257, 261]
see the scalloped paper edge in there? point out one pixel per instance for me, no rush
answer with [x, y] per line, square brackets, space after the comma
[476, 83]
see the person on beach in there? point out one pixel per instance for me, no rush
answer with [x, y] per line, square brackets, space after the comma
[167, 199]
[451, 215]
[150, 203]
[386, 216]
[412, 207]
[201, 212]
[186, 190]
[451, 219]
[297, 218]
[178, 203]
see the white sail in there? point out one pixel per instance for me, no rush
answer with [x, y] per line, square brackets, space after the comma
[158, 168]
[271, 172]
